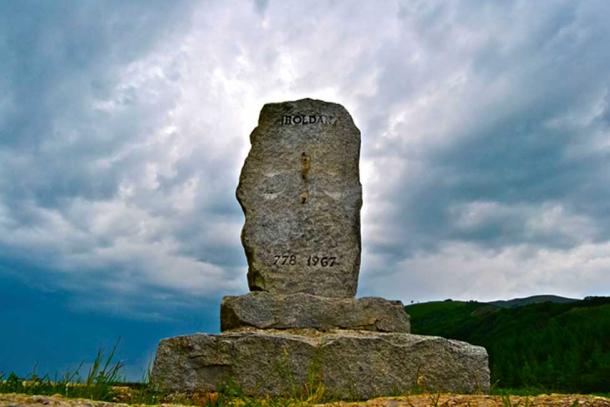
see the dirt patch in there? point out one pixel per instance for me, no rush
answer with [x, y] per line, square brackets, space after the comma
[420, 400]
[450, 400]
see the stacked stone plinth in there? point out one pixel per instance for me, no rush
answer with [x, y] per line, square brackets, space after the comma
[300, 326]
[263, 310]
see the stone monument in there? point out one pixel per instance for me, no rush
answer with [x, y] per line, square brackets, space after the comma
[301, 195]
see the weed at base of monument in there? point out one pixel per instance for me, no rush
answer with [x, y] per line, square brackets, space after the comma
[285, 371]
[314, 388]
[231, 394]
[307, 390]
[434, 398]
[507, 402]
[419, 384]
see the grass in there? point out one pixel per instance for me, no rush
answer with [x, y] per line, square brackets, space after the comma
[105, 382]
[100, 382]
[526, 391]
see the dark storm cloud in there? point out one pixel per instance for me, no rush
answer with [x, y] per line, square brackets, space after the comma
[59, 57]
[74, 136]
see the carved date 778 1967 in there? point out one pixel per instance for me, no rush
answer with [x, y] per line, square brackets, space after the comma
[293, 259]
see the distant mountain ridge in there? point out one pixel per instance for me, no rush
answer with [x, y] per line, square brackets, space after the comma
[547, 342]
[534, 299]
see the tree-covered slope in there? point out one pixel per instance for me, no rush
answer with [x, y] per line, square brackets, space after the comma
[556, 346]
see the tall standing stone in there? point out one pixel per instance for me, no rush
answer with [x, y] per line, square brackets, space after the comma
[301, 195]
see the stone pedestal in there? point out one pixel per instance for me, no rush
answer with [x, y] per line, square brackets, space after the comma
[286, 345]
[345, 364]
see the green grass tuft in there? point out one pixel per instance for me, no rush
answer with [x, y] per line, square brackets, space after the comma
[99, 383]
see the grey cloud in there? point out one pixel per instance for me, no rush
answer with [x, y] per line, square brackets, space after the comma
[61, 57]
[484, 137]
[501, 148]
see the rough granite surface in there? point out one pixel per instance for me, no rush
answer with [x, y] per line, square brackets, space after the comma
[349, 364]
[301, 195]
[265, 310]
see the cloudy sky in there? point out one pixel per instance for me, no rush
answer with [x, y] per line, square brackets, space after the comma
[123, 126]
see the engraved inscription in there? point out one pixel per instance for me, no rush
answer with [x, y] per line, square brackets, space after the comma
[324, 261]
[288, 259]
[302, 119]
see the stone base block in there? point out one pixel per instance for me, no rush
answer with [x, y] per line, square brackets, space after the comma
[264, 310]
[346, 364]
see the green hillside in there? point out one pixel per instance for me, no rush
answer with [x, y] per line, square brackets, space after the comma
[553, 346]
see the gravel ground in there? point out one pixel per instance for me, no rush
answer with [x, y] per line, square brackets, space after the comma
[445, 400]
[15, 400]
